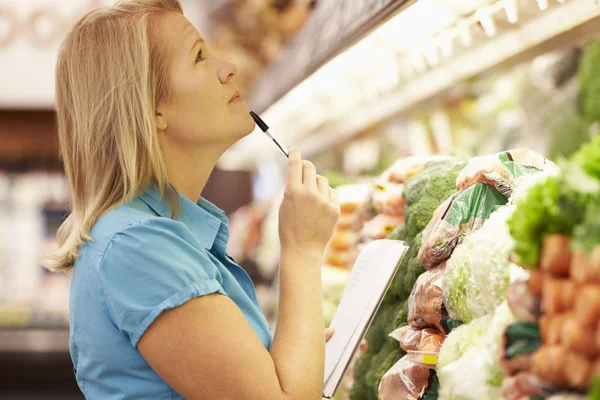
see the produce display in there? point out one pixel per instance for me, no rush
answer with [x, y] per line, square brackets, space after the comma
[451, 298]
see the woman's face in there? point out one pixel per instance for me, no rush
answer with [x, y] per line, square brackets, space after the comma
[202, 107]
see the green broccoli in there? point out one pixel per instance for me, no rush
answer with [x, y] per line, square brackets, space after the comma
[402, 315]
[360, 389]
[382, 362]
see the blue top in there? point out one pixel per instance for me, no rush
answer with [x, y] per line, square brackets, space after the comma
[140, 263]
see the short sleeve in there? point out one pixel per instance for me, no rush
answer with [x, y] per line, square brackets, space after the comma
[152, 266]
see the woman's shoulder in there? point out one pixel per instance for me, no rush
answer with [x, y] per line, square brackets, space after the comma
[133, 220]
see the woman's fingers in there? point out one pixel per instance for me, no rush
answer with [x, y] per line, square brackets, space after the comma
[309, 175]
[323, 186]
[295, 168]
[333, 197]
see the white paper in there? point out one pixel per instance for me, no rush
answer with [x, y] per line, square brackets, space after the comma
[368, 282]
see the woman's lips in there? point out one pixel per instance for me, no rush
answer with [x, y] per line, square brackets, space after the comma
[236, 97]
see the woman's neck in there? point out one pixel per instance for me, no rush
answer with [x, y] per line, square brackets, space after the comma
[190, 168]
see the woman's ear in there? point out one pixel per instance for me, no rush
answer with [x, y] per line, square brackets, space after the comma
[161, 121]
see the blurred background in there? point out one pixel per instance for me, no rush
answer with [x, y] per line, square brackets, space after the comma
[356, 85]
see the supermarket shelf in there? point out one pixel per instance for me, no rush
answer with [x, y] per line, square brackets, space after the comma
[345, 97]
[573, 23]
[334, 26]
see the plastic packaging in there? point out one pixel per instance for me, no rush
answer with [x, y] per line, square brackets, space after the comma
[381, 226]
[425, 308]
[404, 169]
[405, 380]
[415, 339]
[502, 171]
[423, 358]
[387, 198]
[456, 218]
[478, 272]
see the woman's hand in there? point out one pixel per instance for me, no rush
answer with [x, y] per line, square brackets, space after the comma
[310, 208]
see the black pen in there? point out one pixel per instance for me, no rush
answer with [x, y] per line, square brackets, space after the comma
[265, 128]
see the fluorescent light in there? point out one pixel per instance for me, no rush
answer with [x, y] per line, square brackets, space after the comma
[464, 33]
[486, 18]
[510, 8]
[542, 4]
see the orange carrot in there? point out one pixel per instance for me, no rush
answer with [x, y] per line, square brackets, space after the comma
[578, 370]
[535, 282]
[549, 364]
[556, 257]
[587, 305]
[578, 338]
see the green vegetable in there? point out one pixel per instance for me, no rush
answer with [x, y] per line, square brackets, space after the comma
[462, 339]
[434, 387]
[522, 338]
[478, 272]
[472, 351]
[595, 392]
[452, 324]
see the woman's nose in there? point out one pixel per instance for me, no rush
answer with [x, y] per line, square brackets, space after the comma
[226, 71]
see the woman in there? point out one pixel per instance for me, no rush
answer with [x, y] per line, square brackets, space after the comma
[158, 308]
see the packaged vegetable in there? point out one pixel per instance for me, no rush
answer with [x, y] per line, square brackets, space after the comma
[456, 218]
[478, 272]
[425, 302]
[381, 226]
[502, 171]
[524, 385]
[341, 259]
[522, 302]
[405, 380]
[404, 169]
[387, 198]
[415, 339]
[342, 240]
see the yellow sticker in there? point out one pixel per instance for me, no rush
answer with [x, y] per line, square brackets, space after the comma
[430, 359]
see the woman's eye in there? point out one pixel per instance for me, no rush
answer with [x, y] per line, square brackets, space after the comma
[199, 57]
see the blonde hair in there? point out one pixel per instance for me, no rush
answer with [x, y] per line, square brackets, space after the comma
[110, 75]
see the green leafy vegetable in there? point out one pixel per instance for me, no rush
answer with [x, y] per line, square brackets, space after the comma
[478, 272]
[522, 338]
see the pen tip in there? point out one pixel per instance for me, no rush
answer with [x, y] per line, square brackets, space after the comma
[261, 124]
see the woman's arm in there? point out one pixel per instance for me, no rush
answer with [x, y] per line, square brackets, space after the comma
[206, 349]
